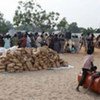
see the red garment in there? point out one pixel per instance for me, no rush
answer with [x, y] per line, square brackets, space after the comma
[23, 41]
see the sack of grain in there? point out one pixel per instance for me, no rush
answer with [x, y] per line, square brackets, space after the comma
[30, 59]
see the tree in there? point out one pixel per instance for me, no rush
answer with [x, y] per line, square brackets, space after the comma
[4, 25]
[1, 18]
[62, 25]
[9, 25]
[31, 13]
[74, 28]
[97, 30]
[88, 30]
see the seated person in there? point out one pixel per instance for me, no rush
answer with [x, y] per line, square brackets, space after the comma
[73, 49]
[68, 48]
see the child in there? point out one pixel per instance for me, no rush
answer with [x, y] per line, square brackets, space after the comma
[88, 64]
[73, 49]
[68, 48]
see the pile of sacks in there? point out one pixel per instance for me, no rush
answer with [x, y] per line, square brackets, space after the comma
[30, 59]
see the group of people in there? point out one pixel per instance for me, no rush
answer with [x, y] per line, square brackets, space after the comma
[57, 42]
[89, 40]
[53, 41]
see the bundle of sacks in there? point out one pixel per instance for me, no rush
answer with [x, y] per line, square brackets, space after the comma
[30, 59]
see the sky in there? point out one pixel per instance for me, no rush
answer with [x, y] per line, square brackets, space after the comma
[85, 12]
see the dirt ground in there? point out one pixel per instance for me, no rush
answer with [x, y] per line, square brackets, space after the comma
[48, 84]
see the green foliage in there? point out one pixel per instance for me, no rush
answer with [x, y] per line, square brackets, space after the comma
[63, 25]
[97, 30]
[74, 28]
[31, 13]
[4, 25]
[88, 30]
[30, 16]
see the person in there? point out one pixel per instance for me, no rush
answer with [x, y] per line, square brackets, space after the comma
[28, 40]
[82, 40]
[43, 42]
[51, 42]
[68, 36]
[14, 40]
[73, 49]
[90, 39]
[62, 42]
[57, 45]
[23, 41]
[7, 41]
[1, 41]
[98, 41]
[68, 50]
[33, 44]
[88, 64]
[39, 40]
[36, 35]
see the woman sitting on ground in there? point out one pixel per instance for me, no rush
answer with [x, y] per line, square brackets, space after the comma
[73, 49]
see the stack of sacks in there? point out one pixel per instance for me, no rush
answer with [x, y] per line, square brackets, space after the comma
[30, 59]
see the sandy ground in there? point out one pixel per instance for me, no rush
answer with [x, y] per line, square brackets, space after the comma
[48, 85]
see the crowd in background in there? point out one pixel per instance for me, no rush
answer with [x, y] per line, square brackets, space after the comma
[58, 42]
[89, 41]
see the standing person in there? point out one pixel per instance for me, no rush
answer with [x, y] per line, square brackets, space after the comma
[91, 42]
[28, 42]
[82, 40]
[36, 35]
[68, 36]
[62, 42]
[23, 41]
[51, 41]
[19, 34]
[39, 40]
[57, 45]
[45, 36]
[33, 44]
[87, 39]
[98, 41]
[76, 43]
[7, 41]
[43, 42]
[90, 38]
[15, 40]
[1, 41]
[48, 40]
[87, 66]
